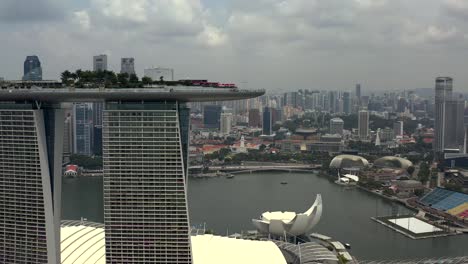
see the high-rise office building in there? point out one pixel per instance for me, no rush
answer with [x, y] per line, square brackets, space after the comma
[346, 103]
[100, 62]
[398, 128]
[32, 69]
[455, 125]
[363, 125]
[254, 118]
[82, 128]
[267, 121]
[358, 91]
[145, 170]
[336, 126]
[226, 123]
[30, 183]
[449, 113]
[127, 65]
[443, 91]
[211, 116]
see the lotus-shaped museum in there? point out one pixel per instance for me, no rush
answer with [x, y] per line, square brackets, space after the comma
[290, 223]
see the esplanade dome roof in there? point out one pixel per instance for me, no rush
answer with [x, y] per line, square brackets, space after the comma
[393, 162]
[348, 161]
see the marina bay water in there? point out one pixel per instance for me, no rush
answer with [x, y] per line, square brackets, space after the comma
[228, 205]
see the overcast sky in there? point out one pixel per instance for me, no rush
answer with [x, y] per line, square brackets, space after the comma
[272, 44]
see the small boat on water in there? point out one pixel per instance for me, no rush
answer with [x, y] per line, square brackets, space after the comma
[347, 245]
[284, 182]
[230, 176]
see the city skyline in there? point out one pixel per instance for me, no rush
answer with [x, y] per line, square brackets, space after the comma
[311, 43]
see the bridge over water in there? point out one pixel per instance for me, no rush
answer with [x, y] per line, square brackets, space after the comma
[270, 167]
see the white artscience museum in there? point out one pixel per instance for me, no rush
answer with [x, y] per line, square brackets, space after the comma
[290, 223]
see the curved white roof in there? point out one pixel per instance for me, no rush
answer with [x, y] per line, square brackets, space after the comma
[209, 249]
[393, 162]
[283, 216]
[348, 161]
[84, 243]
[279, 223]
[352, 177]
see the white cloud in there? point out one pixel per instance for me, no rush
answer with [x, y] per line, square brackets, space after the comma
[321, 37]
[212, 36]
[82, 19]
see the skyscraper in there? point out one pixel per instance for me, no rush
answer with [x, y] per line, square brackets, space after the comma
[267, 121]
[211, 116]
[100, 62]
[449, 113]
[145, 169]
[336, 126]
[145, 138]
[32, 69]
[82, 128]
[398, 128]
[254, 118]
[30, 183]
[226, 123]
[358, 91]
[346, 103]
[127, 65]
[363, 125]
[455, 127]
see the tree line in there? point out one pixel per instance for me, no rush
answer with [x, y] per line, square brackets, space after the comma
[109, 79]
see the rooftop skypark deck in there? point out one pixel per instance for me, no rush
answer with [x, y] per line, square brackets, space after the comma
[176, 93]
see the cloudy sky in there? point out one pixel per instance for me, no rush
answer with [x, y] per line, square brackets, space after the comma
[273, 44]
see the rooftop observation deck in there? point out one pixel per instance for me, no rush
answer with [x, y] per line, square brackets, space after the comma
[176, 93]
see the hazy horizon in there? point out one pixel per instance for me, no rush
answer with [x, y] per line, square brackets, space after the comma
[273, 44]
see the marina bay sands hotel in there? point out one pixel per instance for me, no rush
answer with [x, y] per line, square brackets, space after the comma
[145, 145]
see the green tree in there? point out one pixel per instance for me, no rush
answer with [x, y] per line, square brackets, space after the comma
[146, 80]
[123, 79]
[424, 172]
[133, 78]
[87, 162]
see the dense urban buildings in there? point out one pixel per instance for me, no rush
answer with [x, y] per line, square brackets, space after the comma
[127, 65]
[32, 69]
[100, 62]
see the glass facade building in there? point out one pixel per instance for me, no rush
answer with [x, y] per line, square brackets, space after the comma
[212, 116]
[32, 69]
[145, 168]
[267, 121]
[82, 129]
